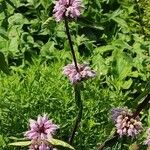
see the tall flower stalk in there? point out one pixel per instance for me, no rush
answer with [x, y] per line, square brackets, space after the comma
[79, 116]
[77, 90]
[66, 10]
[70, 43]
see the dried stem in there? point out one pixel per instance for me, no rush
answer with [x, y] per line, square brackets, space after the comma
[79, 116]
[70, 43]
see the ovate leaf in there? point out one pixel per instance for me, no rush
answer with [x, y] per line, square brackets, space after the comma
[56, 142]
[134, 146]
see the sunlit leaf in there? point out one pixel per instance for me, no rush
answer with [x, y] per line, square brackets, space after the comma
[23, 143]
[17, 139]
[134, 147]
[57, 142]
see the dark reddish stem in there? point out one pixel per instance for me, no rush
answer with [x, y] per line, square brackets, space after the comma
[70, 43]
[77, 90]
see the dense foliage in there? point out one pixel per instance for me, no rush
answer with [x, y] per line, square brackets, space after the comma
[113, 36]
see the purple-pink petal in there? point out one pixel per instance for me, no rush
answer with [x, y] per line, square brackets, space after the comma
[40, 131]
[63, 8]
[125, 124]
[84, 72]
[33, 124]
[43, 146]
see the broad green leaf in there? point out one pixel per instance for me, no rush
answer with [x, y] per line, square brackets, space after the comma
[114, 14]
[17, 19]
[2, 141]
[11, 3]
[121, 22]
[23, 143]
[134, 146]
[122, 64]
[103, 49]
[57, 142]
[49, 23]
[3, 64]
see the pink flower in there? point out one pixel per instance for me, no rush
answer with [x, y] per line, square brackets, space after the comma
[147, 142]
[125, 124]
[40, 131]
[115, 112]
[84, 73]
[68, 8]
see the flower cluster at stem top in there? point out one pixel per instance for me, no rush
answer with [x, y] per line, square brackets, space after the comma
[67, 8]
[40, 131]
[125, 123]
[84, 72]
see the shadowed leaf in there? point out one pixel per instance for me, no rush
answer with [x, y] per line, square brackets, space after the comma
[3, 64]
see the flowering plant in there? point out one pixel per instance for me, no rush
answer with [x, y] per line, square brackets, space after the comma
[40, 135]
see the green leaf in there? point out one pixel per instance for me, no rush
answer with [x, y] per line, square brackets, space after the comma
[87, 23]
[121, 22]
[103, 49]
[134, 146]
[23, 143]
[3, 64]
[17, 19]
[49, 23]
[17, 139]
[127, 84]
[2, 141]
[3, 33]
[122, 64]
[57, 142]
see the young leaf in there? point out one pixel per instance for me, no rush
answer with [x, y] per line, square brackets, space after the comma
[57, 142]
[23, 143]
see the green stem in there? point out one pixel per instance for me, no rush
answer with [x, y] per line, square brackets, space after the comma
[79, 116]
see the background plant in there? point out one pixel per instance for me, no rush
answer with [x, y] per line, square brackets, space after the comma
[108, 35]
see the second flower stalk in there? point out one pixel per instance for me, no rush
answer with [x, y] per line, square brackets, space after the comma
[66, 10]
